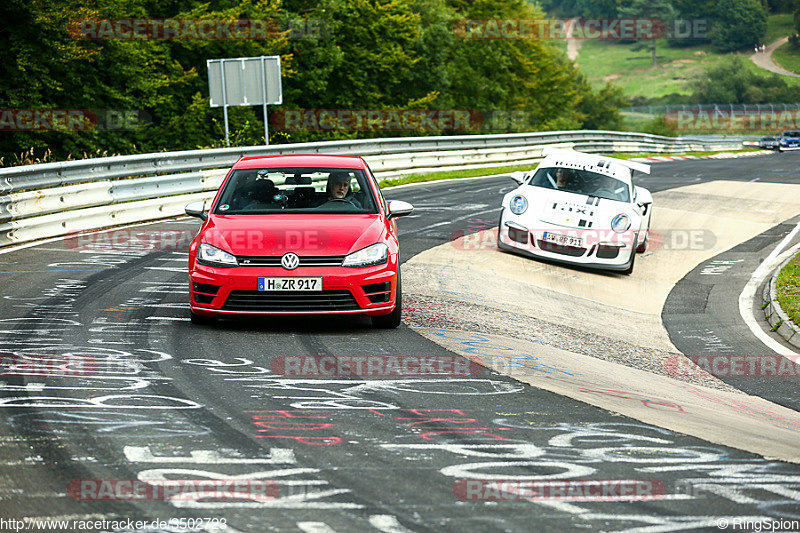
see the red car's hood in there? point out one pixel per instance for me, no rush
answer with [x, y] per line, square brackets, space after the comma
[270, 235]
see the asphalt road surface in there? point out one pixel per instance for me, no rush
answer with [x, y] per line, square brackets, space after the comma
[162, 400]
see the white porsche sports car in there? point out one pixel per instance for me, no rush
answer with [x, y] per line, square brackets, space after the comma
[578, 208]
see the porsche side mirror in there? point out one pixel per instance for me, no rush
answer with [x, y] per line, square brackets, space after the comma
[643, 197]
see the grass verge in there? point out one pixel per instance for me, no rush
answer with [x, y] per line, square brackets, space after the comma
[778, 26]
[631, 69]
[451, 174]
[629, 155]
[787, 57]
[788, 284]
[473, 172]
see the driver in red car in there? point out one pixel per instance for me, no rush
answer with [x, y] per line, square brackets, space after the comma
[338, 188]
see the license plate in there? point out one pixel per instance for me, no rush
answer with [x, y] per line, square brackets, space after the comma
[290, 284]
[563, 240]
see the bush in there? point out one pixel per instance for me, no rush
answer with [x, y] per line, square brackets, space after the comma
[731, 82]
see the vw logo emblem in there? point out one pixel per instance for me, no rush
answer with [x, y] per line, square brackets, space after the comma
[290, 261]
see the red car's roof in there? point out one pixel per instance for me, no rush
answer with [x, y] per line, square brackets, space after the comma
[312, 160]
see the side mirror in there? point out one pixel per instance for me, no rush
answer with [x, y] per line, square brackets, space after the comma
[643, 197]
[519, 177]
[399, 208]
[196, 209]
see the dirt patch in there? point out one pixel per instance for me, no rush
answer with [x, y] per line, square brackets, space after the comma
[612, 77]
[422, 312]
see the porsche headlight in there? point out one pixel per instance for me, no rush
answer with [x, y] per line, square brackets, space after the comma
[621, 223]
[518, 204]
[213, 256]
[371, 255]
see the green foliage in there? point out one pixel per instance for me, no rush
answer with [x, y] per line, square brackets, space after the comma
[739, 24]
[370, 54]
[658, 9]
[658, 126]
[788, 287]
[730, 82]
[794, 40]
[583, 8]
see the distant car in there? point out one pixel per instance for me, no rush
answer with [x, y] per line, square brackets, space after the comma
[297, 235]
[578, 208]
[789, 140]
[769, 143]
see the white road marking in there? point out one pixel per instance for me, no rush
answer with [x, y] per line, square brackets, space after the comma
[315, 527]
[173, 318]
[747, 296]
[169, 269]
[387, 524]
[143, 454]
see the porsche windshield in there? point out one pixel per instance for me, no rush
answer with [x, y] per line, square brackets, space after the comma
[581, 182]
[296, 190]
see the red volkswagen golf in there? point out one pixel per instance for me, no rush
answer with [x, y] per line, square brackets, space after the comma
[297, 235]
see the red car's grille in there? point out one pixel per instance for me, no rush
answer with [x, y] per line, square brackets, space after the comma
[290, 301]
[305, 261]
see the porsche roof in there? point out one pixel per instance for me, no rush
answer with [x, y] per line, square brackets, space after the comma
[616, 168]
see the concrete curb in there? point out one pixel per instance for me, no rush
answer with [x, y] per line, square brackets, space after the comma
[775, 315]
[723, 155]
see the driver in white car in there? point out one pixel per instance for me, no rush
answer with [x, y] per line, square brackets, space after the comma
[566, 179]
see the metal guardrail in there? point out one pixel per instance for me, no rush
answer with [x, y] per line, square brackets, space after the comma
[52, 199]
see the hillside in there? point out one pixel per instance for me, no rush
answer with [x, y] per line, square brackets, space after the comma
[632, 71]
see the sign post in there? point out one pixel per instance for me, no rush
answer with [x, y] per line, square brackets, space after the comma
[245, 81]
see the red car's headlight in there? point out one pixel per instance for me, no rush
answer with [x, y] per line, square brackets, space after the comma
[213, 256]
[376, 254]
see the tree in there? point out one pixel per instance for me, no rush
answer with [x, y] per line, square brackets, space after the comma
[692, 14]
[731, 82]
[739, 24]
[661, 10]
[370, 54]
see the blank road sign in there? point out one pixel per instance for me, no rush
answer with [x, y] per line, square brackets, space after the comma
[247, 81]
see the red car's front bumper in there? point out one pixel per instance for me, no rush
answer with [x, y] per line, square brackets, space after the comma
[219, 291]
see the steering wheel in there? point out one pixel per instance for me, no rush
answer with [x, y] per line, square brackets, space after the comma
[605, 192]
[345, 200]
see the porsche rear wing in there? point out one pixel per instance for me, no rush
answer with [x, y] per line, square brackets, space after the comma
[633, 165]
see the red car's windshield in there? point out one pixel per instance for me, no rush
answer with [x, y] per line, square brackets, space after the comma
[296, 190]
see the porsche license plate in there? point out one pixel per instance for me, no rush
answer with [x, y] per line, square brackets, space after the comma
[290, 284]
[563, 240]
